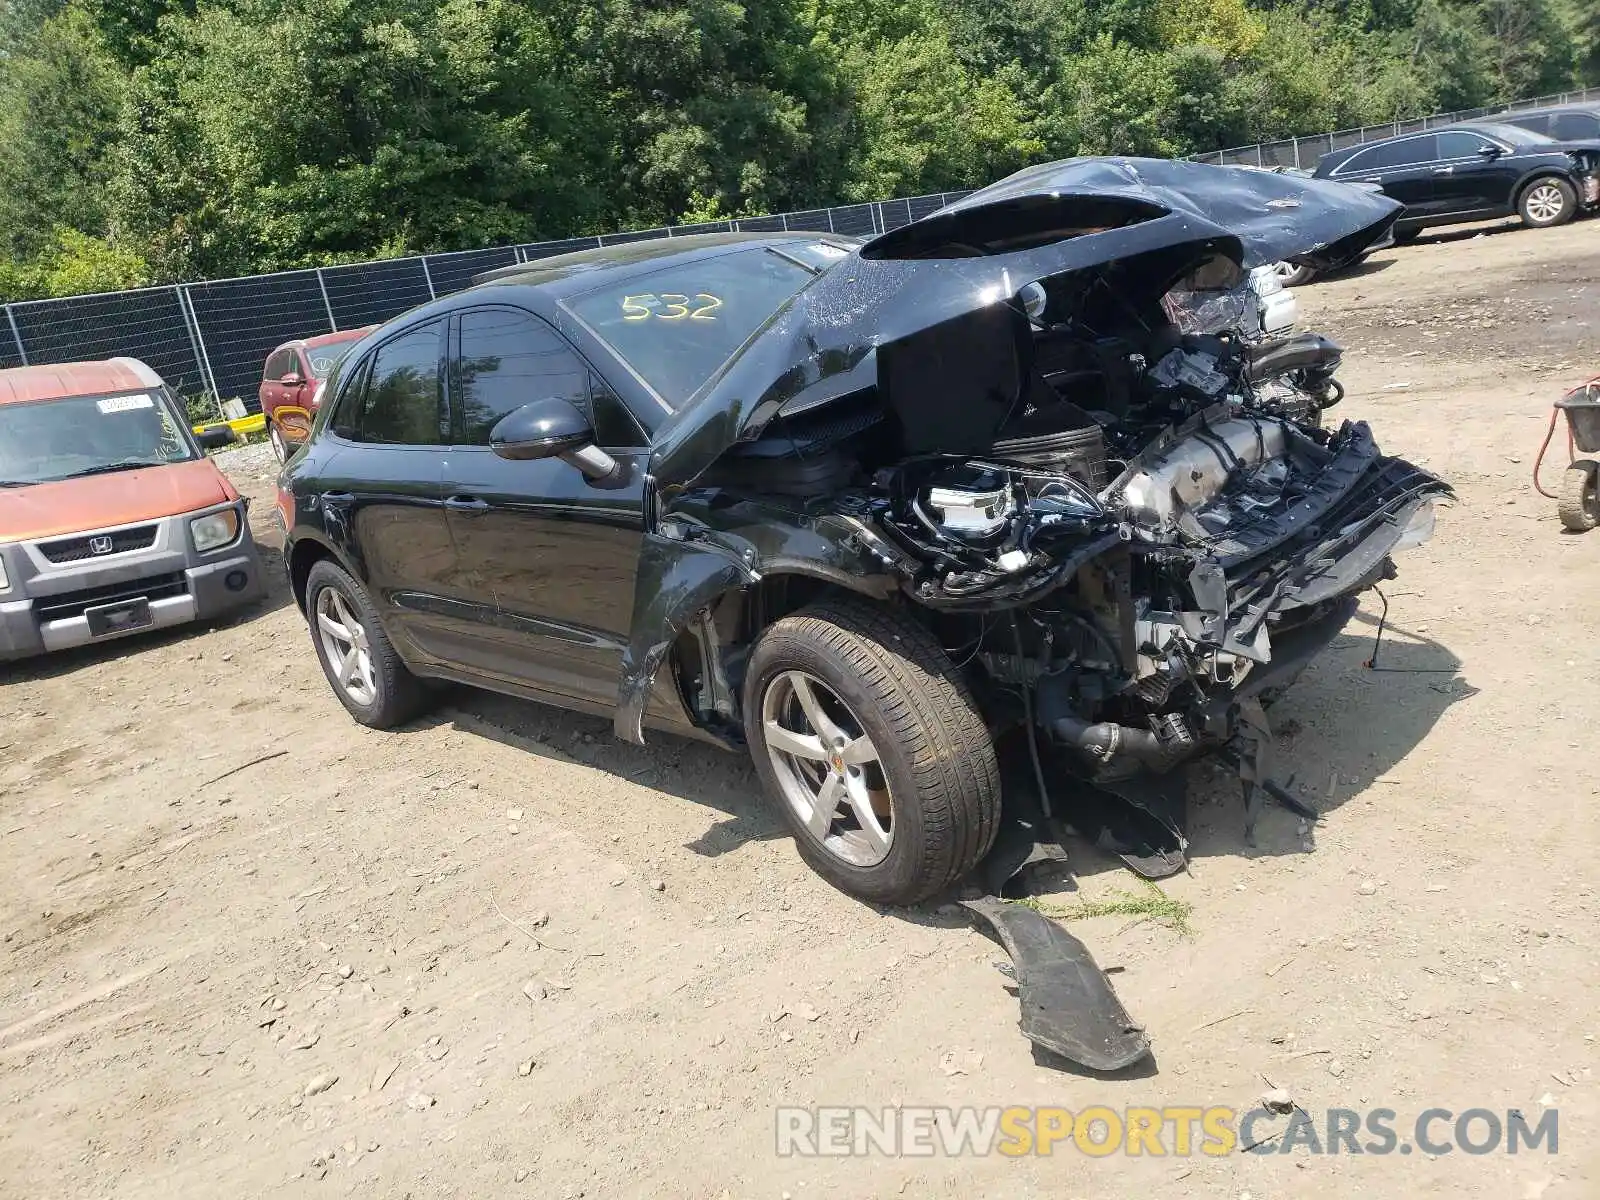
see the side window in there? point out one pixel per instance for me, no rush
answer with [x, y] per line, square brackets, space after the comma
[508, 358]
[277, 365]
[614, 425]
[1531, 124]
[400, 404]
[350, 387]
[1392, 154]
[1575, 127]
[1356, 163]
[1456, 144]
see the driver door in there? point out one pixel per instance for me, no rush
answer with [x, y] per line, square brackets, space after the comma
[552, 553]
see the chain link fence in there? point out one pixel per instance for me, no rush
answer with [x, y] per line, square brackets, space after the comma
[1303, 152]
[211, 339]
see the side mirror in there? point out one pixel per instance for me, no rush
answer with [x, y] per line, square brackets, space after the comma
[1490, 153]
[292, 379]
[552, 428]
[214, 437]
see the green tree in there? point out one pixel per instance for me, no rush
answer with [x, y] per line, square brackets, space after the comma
[60, 97]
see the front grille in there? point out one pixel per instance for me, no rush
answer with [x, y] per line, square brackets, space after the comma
[71, 604]
[76, 549]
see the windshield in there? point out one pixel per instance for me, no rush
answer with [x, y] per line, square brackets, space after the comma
[323, 359]
[47, 440]
[676, 326]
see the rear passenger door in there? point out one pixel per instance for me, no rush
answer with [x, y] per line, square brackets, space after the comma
[1402, 167]
[382, 492]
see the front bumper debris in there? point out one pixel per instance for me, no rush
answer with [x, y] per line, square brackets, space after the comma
[1068, 1007]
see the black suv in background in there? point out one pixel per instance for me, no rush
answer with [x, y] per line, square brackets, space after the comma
[1565, 123]
[1474, 172]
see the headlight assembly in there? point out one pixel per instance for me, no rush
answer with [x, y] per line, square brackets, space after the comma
[215, 530]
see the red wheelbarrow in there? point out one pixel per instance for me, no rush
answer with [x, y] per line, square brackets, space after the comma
[1578, 499]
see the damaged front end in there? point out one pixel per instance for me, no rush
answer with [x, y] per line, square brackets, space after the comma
[1043, 424]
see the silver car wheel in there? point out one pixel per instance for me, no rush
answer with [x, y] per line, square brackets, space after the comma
[1546, 203]
[344, 645]
[827, 768]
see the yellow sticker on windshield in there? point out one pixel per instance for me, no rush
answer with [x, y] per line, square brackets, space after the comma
[671, 306]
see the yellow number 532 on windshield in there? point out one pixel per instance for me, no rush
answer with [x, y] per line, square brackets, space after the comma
[671, 306]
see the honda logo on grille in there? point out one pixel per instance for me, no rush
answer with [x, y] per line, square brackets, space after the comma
[100, 545]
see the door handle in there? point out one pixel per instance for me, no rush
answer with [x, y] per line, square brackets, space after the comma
[1444, 170]
[467, 506]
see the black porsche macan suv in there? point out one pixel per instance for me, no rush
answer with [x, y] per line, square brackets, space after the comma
[1474, 172]
[863, 509]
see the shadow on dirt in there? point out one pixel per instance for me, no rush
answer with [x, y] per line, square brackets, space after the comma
[1342, 729]
[1367, 266]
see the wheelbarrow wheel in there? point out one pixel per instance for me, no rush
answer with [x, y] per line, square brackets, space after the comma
[1579, 506]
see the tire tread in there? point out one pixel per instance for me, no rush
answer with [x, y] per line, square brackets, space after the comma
[922, 697]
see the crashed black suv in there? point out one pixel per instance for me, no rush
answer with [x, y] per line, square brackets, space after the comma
[1025, 470]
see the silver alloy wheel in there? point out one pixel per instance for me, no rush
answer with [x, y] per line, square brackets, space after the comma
[275, 436]
[1545, 203]
[1285, 270]
[827, 768]
[344, 643]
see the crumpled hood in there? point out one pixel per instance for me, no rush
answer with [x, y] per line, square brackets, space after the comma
[1136, 225]
[1276, 217]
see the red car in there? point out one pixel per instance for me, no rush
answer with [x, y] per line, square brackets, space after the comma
[292, 383]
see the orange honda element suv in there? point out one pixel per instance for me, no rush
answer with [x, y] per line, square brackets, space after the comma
[112, 520]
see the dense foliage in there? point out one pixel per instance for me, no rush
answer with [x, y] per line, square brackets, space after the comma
[150, 140]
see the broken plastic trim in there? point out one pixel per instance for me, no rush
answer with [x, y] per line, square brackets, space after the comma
[1067, 1006]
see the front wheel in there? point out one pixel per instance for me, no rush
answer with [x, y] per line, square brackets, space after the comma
[1547, 202]
[869, 743]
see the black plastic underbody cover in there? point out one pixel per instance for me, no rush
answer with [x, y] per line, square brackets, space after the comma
[1067, 1005]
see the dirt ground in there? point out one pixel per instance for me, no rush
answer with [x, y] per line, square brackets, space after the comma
[533, 960]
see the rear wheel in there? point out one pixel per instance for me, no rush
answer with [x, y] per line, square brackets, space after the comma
[1403, 237]
[871, 746]
[356, 655]
[1578, 504]
[1547, 202]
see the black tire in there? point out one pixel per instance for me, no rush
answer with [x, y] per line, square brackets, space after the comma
[935, 753]
[398, 694]
[1404, 237]
[1577, 502]
[1547, 202]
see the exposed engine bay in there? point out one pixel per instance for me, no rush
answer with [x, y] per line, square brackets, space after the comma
[1145, 532]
